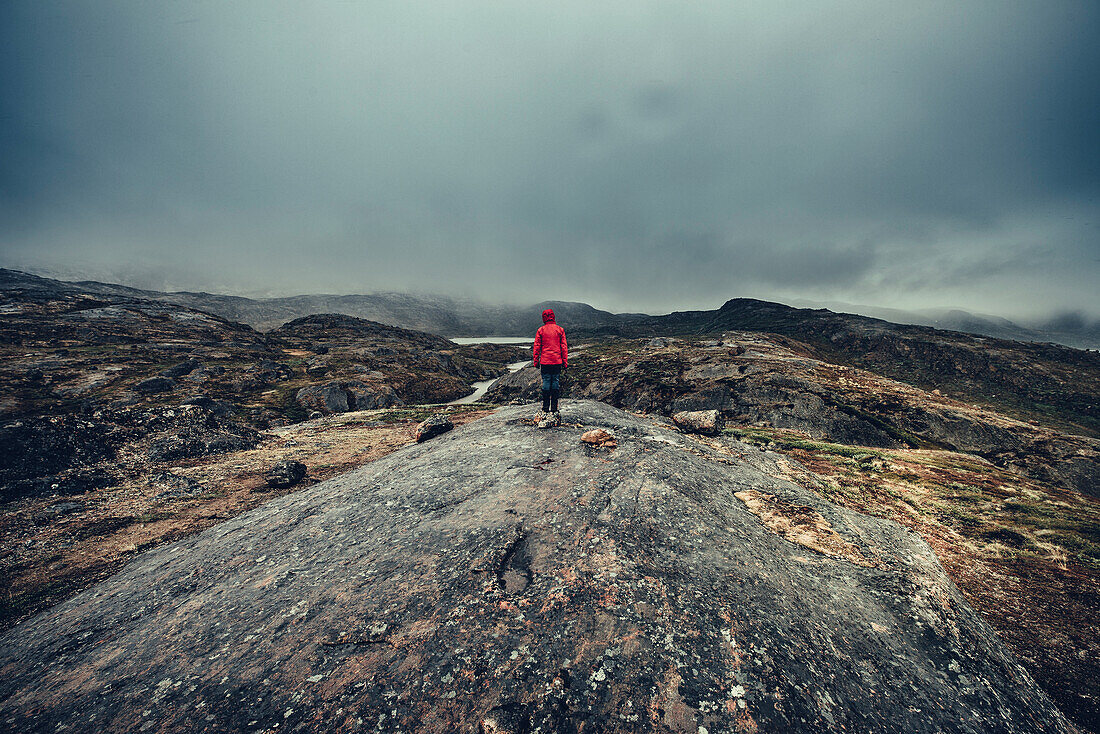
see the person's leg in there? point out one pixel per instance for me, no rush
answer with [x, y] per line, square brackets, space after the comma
[546, 380]
[555, 391]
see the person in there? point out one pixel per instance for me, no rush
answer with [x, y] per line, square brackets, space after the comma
[551, 357]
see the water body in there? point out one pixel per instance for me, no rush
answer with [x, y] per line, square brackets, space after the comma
[481, 387]
[493, 339]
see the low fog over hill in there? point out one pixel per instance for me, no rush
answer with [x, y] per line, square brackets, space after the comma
[450, 316]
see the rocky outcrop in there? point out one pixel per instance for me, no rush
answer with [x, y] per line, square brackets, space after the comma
[64, 350]
[330, 398]
[524, 384]
[775, 382]
[191, 431]
[181, 369]
[1031, 381]
[154, 385]
[341, 397]
[501, 578]
[74, 454]
[57, 454]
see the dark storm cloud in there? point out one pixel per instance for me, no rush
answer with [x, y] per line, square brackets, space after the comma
[636, 156]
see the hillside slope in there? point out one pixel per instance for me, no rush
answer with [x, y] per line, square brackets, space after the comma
[504, 579]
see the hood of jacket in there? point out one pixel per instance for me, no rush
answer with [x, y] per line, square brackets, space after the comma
[547, 316]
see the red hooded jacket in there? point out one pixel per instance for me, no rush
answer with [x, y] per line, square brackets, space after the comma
[550, 346]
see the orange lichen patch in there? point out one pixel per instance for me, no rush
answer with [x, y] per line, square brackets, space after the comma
[745, 723]
[801, 525]
[667, 709]
[609, 598]
[554, 598]
[631, 642]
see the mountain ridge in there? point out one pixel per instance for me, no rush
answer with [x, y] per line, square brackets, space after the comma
[443, 315]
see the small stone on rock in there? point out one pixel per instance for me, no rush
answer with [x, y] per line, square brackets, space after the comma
[432, 427]
[599, 437]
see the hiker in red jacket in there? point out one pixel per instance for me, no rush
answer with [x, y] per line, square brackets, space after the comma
[551, 356]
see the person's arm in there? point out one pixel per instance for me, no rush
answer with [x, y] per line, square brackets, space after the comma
[537, 348]
[564, 351]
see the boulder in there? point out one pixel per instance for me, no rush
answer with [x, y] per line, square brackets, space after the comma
[478, 583]
[328, 398]
[708, 422]
[316, 367]
[372, 396]
[268, 371]
[433, 427]
[174, 486]
[181, 369]
[341, 397]
[155, 385]
[524, 384]
[286, 474]
[598, 437]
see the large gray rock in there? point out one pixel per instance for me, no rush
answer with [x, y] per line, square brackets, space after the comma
[698, 421]
[523, 384]
[155, 385]
[341, 397]
[330, 398]
[372, 396]
[509, 579]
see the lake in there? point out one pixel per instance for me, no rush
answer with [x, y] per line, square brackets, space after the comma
[493, 339]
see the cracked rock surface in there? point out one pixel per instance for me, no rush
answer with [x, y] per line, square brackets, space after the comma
[501, 578]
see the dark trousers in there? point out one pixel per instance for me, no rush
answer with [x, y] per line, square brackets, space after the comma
[551, 387]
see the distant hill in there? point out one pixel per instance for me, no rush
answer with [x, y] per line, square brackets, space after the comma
[443, 315]
[1028, 380]
[449, 316]
[1071, 330]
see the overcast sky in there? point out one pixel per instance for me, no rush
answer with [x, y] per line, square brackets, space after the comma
[642, 156]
